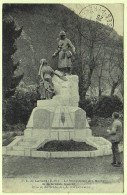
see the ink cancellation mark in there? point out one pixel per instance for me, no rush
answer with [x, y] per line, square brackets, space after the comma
[101, 19]
[98, 13]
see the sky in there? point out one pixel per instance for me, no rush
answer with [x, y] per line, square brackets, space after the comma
[117, 11]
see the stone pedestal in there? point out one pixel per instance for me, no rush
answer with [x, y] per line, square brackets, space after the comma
[66, 91]
[57, 122]
[59, 118]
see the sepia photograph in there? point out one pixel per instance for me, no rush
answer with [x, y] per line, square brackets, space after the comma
[62, 97]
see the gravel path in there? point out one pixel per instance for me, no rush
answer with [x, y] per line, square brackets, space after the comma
[97, 170]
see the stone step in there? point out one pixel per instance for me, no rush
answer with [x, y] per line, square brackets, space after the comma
[27, 139]
[15, 153]
[26, 143]
[101, 142]
[104, 147]
[96, 139]
[19, 148]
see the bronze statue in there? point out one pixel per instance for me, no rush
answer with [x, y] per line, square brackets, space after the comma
[46, 74]
[46, 86]
[65, 55]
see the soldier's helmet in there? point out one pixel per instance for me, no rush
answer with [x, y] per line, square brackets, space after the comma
[62, 33]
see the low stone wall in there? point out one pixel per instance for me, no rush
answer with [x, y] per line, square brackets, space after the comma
[69, 154]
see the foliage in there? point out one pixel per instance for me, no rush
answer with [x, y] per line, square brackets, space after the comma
[7, 141]
[9, 136]
[10, 80]
[102, 107]
[94, 121]
[88, 105]
[106, 105]
[19, 127]
[19, 107]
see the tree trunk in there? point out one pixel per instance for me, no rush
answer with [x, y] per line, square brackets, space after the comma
[113, 89]
[99, 92]
[122, 88]
[99, 87]
[85, 83]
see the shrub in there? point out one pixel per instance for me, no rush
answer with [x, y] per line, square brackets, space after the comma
[94, 121]
[19, 107]
[102, 107]
[19, 127]
[88, 105]
[106, 105]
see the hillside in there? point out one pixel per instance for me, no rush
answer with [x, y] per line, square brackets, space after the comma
[41, 26]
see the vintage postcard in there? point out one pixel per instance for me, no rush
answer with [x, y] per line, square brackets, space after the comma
[62, 97]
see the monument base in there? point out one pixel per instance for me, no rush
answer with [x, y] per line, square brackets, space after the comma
[61, 134]
[58, 119]
[49, 122]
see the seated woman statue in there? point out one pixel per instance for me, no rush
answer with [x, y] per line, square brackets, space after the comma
[46, 86]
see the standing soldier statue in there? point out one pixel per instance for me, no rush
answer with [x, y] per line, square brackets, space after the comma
[65, 55]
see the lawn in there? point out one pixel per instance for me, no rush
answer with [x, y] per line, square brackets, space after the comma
[97, 174]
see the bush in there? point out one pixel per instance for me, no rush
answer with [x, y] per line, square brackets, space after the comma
[8, 137]
[19, 127]
[106, 105]
[19, 107]
[102, 107]
[94, 121]
[88, 105]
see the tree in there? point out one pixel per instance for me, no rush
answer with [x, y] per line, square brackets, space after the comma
[116, 67]
[100, 72]
[10, 79]
[92, 41]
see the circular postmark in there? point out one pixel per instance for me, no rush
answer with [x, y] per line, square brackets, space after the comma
[97, 18]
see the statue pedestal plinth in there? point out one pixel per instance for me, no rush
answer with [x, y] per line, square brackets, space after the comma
[60, 117]
[57, 122]
[66, 91]
[57, 119]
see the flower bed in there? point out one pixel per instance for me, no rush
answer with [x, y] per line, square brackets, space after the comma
[64, 145]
